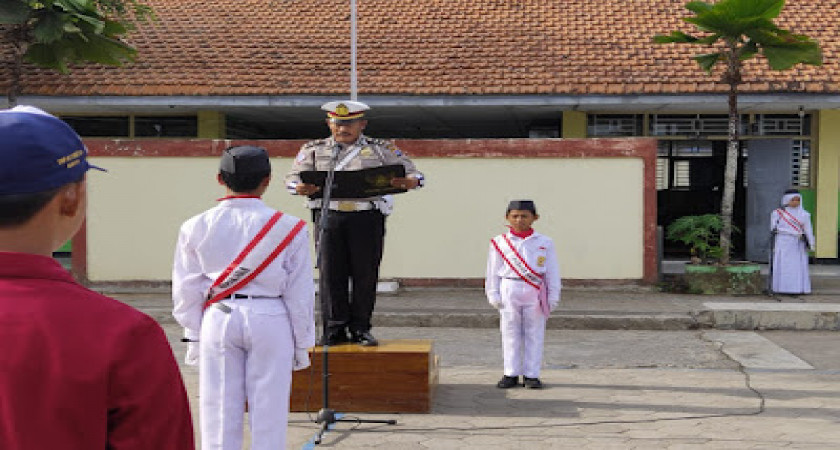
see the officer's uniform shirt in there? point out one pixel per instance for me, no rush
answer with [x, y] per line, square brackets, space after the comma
[316, 155]
[209, 242]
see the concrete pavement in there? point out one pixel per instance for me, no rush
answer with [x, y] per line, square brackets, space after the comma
[637, 389]
[625, 367]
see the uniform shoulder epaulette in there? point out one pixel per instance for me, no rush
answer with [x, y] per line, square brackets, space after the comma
[388, 144]
[315, 143]
[380, 141]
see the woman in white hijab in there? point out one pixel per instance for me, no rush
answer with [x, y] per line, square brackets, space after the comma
[790, 226]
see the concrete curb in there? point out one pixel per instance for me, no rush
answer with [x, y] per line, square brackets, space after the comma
[721, 316]
[782, 316]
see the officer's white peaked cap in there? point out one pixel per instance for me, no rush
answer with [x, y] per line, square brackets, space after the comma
[345, 109]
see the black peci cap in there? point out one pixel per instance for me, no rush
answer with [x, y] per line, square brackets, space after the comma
[245, 160]
[525, 205]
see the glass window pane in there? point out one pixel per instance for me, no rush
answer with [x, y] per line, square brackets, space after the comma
[99, 126]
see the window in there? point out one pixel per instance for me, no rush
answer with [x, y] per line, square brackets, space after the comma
[604, 125]
[801, 163]
[692, 149]
[166, 126]
[99, 126]
[782, 124]
[682, 174]
[691, 124]
[145, 126]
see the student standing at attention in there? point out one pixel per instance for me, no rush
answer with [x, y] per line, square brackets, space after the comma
[523, 283]
[790, 226]
[242, 288]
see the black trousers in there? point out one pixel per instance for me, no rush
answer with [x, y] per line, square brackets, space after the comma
[353, 244]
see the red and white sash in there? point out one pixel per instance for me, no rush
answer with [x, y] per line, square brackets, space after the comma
[522, 269]
[790, 220]
[252, 260]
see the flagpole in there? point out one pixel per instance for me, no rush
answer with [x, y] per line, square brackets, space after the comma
[354, 88]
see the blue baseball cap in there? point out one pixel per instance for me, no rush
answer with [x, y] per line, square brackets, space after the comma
[38, 152]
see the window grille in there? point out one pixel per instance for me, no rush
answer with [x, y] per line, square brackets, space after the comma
[682, 177]
[693, 149]
[801, 163]
[603, 125]
[782, 124]
[691, 124]
[661, 174]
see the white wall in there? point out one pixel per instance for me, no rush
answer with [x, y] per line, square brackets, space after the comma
[591, 207]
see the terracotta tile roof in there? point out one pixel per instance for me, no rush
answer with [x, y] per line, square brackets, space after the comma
[428, 47]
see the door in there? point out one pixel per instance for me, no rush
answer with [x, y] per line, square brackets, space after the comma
[769, 174]
[691, 183]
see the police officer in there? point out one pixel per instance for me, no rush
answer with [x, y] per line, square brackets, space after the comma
[354, 237]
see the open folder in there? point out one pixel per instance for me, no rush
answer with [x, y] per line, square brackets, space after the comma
[357, 183]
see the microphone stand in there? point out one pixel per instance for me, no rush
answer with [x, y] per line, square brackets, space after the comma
[327, 416]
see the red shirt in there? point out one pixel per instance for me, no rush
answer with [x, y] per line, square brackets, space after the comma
[79, 370]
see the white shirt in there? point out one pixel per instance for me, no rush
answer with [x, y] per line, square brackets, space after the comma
[538, 251]
[207, 244]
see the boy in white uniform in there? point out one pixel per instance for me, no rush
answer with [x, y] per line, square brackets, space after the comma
[243, 291]
[523, 283]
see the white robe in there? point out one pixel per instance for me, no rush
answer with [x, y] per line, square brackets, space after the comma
[793, 238]
[522, 323]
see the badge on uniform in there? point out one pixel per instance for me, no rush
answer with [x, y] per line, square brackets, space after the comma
[541, 261]
[391, 146]
[366, 152]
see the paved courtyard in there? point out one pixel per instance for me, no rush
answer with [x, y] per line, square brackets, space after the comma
[612, 390]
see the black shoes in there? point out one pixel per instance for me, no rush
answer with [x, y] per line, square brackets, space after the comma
[364, 338]
[334, 338]
[532, 383]
[507, 382]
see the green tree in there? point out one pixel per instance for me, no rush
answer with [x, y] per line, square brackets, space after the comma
[736, 31]
[57, 33]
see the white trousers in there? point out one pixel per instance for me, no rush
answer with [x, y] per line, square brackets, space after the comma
[246, 354]
[523, 328]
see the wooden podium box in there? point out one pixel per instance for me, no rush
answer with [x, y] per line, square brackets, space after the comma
[398, 376]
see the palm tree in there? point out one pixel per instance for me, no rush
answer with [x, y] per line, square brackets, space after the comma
[56, 33]
[738, 30]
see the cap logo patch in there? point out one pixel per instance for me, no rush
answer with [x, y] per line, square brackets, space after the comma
[342, 109]
[71, 160]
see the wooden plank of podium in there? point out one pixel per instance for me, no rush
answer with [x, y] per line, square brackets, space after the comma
[396, 376]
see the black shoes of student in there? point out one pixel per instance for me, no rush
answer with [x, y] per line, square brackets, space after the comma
[364, 338]
[507, 382]
[532, 383]
[334, 338]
